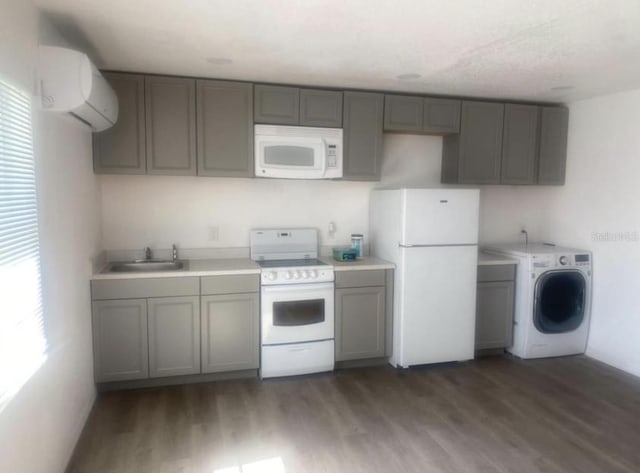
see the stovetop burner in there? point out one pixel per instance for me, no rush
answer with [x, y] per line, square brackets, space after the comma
[290, 263]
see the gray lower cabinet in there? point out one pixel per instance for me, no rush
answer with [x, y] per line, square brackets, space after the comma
[519, 144]
[362, 124]
[495, 306]
[121, 148]
[120, 347]
[363, 314]
[174, 336]
[360, 323]
[229, 333]
[224, 128]
[474, 156]
[170, 104]
[554, 128]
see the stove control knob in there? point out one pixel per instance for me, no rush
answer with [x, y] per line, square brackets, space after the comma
[287, 275]
[564, 260]
[272, 276]
[313, 274]
[303, 274]
[296, 274]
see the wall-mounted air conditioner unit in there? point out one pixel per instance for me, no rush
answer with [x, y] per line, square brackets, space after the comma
[69, 82]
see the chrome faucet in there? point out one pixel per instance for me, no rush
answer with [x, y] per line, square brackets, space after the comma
[174, 252]
[147, 253]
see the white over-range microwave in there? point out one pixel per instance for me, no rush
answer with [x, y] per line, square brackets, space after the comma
[298, 152]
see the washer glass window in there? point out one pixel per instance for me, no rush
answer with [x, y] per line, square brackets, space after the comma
[560, 301]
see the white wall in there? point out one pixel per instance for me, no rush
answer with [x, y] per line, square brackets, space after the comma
[157, 211]
[601, 197]
[40, 425]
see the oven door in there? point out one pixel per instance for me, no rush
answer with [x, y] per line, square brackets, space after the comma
[297, 313]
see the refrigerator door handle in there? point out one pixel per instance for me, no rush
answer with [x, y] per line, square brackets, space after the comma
[436, 246]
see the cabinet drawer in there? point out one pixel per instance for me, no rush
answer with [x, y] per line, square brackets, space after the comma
[143, 288]
[498, 272]
[229, 284]
[361, 278]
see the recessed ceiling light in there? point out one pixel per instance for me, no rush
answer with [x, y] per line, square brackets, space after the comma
[219, 61]
[562, 87]
[411, 76]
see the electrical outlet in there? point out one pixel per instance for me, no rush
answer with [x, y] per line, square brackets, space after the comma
[214, 233]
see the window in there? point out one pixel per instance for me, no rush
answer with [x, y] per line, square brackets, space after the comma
[22, 341]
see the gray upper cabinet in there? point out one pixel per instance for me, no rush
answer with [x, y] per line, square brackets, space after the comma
[519, 144]
[322, 108]
[170, 105]
[429, 115]
[229, 337]
[362, 124]
[276, 105]
[120, 347]
[174, 336]
[225, 128]
[441, 116]
[474, 156]
[403, 113]
[121, 148]
[552, 159]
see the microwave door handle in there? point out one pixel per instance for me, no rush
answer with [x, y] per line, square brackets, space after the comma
[325, 158]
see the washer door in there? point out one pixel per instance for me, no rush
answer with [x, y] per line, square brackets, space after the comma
[560, 301]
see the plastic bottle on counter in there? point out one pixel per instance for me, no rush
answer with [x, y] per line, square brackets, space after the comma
[357, 241]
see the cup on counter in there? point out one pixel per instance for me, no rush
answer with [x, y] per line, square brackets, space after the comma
[357, 241]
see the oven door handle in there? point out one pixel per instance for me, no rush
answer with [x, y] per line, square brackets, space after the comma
[293, 288]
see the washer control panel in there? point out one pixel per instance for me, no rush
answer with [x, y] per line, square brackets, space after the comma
[561, 260]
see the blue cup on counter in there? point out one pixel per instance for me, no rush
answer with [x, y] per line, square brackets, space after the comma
[357, 240]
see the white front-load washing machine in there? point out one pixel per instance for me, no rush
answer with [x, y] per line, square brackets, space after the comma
[553, 299]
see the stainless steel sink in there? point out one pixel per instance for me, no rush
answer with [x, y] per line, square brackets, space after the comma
[145, 266]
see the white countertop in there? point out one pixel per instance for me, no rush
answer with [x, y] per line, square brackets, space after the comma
[231, 266]
[364, 263]
[488, 259]
[203, 267]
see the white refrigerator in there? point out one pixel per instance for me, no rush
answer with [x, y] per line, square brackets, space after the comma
[432, 237]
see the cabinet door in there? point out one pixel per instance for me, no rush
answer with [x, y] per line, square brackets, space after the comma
[277, 105]
[519, 144]
[170, 105]
[553, 145]
[225, 128]
[360, 323]
[403, 113]
[120, 349]
[441, 116]
[320, 108]
[230, 325]
[362, 124]
[480, 142]
[174, 336]
[121, 148]
[494, 314]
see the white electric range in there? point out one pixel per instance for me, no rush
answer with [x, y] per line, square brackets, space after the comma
[296, 303]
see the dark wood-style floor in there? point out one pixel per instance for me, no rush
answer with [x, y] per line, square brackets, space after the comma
[495, 414]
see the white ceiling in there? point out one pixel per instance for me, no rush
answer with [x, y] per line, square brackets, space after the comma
[489, 48]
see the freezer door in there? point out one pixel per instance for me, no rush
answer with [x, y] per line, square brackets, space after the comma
[440, 216]
[437, 316]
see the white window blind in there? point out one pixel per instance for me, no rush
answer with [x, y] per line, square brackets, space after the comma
[22, 340]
